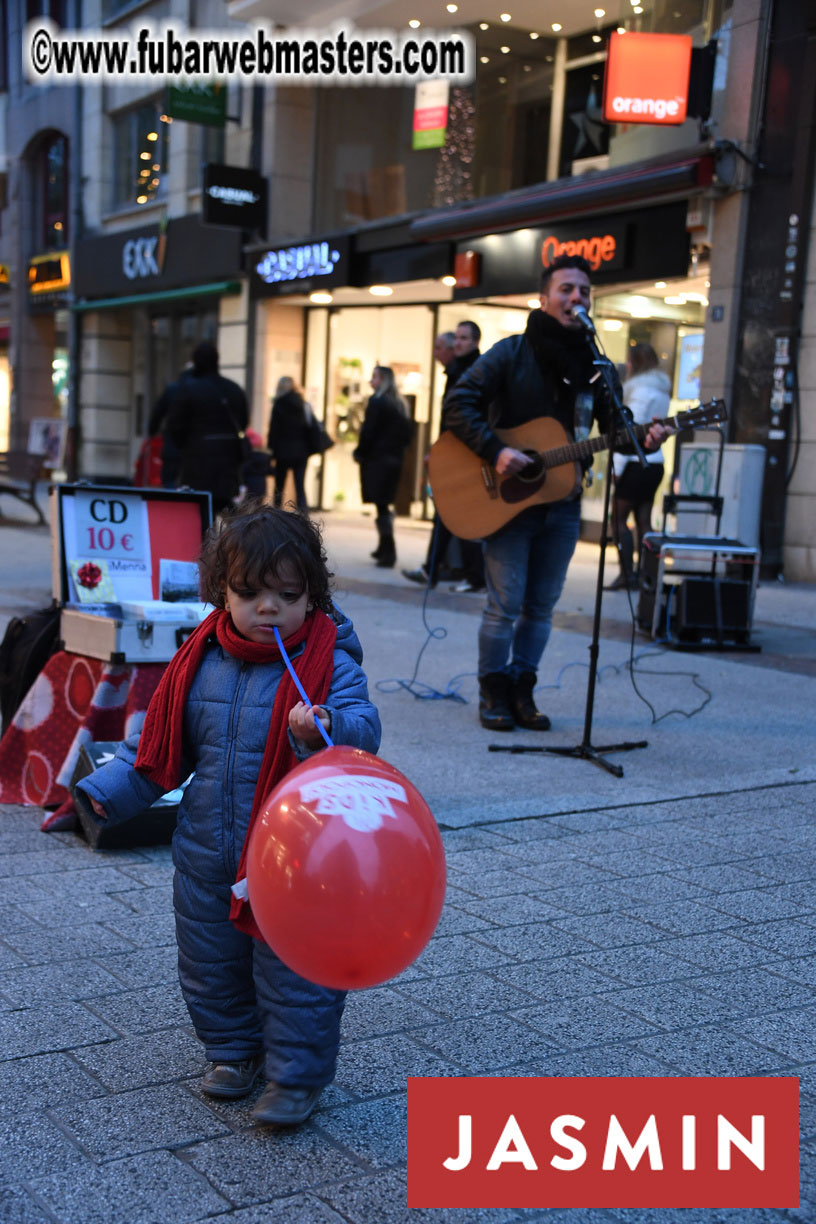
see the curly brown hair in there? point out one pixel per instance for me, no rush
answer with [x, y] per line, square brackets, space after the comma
[248, 546]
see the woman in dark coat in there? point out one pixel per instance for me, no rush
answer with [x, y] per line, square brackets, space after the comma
[387, 430]
[288, 439]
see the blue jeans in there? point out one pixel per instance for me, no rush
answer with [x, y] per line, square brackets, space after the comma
[525, 568]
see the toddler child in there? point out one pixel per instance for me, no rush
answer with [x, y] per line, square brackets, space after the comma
[227, 709]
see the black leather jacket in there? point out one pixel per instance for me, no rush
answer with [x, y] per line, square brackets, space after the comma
[507, 387]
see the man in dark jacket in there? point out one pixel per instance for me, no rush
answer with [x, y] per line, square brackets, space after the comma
[456, 352]
[205, 422]
[547, 371]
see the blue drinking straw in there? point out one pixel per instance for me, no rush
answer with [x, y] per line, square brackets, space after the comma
[299, 686]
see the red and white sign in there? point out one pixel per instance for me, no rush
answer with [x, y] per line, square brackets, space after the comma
[603, 1142]
[647, 78]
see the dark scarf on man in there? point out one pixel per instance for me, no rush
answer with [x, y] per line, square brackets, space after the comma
[562, 355]
[160, 745]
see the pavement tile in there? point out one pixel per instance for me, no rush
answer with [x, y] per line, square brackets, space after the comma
[147, 1119]
[567, 873]
[785, 936]
[672, 1005]
[84, 885]
[487, 1043]
[655, 890]
[787, 868]
[451, 954]
[627, 863]
[149, 1189]
[136, 1062]
[32, 1145]
[711, 1051]
[585, 899]
[467, 994]
[374, 1131]
[618, 1058]
[530, 829]
[146, 967]
[154, 901]
[722, 878]
[489, 883]
[762, 904]
[572, 1024]
[800, 969]
[43, 1080]
[80, 979]
[17, 1208]
[294, 1209]
[715, 949]
[47, 862]
[495, 838]
[383, 1064]
[68, 911]
[513, 911]
[610, 930]
[264, 1162]
[42, 1030]
[552, 980]
[373, 1013]
[683, 917]
[67, 943]
[535, 941]
[757, 990]
[143, 1011]
[475, 862]
[383, 1200]
[456, 920]
[151, 875]
[638, 965]
[155, 931]
[792, 1033]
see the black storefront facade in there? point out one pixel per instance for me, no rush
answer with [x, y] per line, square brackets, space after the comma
[145, 297]
[632, 224]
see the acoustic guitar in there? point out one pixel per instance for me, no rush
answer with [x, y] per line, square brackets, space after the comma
[473, 500]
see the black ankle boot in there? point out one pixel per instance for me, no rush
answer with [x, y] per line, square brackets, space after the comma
[387, 556]
[523, 706]
[494, 702]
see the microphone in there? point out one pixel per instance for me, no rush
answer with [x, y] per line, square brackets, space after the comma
[579, 313]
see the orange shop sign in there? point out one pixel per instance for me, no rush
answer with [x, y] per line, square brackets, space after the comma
[647, 78]
[597, 249]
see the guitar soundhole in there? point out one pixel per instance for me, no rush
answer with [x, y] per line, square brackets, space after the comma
[523, 484]
[534, 472]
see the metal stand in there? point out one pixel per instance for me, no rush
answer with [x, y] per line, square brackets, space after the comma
[586, 751]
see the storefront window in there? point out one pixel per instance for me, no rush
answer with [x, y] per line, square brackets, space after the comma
[500, 134]
[140, 140]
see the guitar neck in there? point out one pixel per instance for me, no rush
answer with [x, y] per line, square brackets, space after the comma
[574, 452]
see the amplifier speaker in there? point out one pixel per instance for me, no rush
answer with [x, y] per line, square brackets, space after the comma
[718, 606]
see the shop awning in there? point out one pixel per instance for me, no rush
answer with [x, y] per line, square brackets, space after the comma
[224, 288]
[656, 180]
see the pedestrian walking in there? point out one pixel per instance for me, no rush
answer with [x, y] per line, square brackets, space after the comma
[288, 439]
[386, 431]
[263, 568]
[547, 371]
[205, 422]
[647, 394]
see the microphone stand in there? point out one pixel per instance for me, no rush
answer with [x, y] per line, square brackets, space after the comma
[586, 751]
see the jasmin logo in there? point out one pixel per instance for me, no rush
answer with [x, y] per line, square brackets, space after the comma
[361, 801]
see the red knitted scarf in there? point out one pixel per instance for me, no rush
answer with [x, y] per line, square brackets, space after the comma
[160, 745]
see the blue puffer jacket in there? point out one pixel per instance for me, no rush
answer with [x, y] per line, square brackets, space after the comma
[225, 727]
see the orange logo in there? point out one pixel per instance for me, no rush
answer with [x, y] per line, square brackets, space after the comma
[647, 78]
[597, 250]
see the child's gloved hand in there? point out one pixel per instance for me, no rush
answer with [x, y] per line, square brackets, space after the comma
[303, 726]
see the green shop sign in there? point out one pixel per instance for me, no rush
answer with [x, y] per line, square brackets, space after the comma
[198, 103]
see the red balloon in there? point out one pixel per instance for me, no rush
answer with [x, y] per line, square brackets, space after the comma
[346, 870]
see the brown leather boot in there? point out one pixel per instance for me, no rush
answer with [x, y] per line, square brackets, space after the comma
[494, 702]
[523, 706]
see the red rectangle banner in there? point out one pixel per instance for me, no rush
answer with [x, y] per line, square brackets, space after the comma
[603, 1142]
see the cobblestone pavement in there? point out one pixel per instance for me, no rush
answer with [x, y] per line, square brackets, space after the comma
[663, 939]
